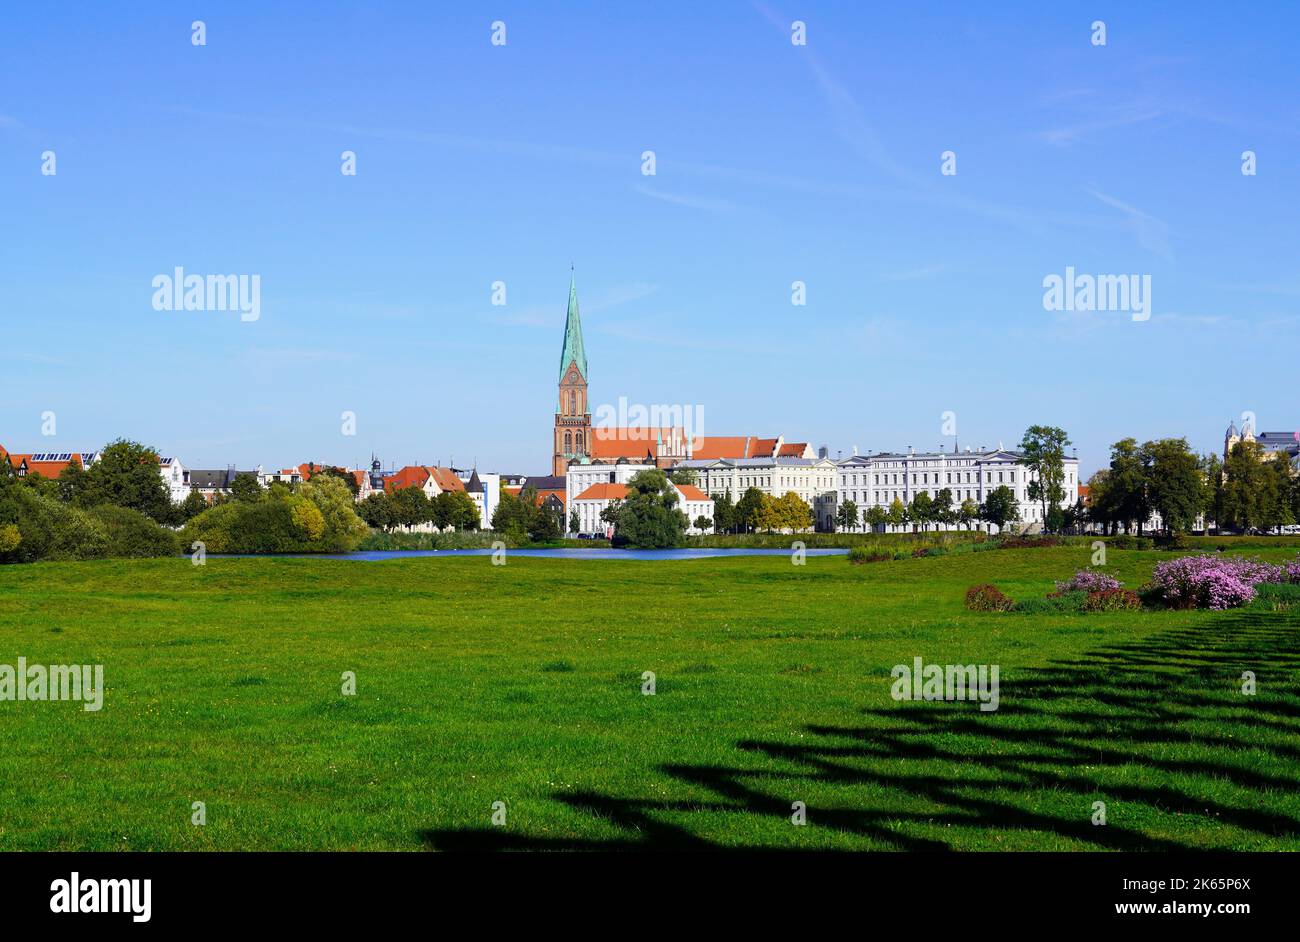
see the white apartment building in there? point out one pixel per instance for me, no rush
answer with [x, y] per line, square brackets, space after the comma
[880, 479]
[176, 477]
[485, 491]
[813, 479]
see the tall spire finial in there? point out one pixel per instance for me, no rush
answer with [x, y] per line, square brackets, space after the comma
[573, 351]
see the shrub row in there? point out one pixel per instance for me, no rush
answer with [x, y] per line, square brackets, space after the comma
[34, 527]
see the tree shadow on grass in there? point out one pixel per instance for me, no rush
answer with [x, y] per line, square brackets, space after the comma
[1169, 707]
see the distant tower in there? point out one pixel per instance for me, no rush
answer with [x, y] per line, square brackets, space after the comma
[376, 473]
[572, 412]
[1230, 438]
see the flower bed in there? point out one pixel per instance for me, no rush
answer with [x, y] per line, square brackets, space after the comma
[1214, 582]
[1088, 580]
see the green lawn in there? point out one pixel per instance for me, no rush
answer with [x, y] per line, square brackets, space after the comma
[522, 683]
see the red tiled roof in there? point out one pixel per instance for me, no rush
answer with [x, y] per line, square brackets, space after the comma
[627, 442]
[793, 450]
[50, 470]
[542, 495]
[446, 479]
[713, 447]
[605, 491]
[691, 492]
[413, 475]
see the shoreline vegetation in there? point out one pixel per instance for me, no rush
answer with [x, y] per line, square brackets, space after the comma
[908, 543]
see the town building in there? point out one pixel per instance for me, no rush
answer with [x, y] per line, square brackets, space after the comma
[1272, 445]
[880, 479]
[812, 479]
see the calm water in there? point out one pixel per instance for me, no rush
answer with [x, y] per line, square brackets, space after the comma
[572, 553]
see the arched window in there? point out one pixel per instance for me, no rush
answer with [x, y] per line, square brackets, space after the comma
[578, 441]
[573, 403]
[568, 443]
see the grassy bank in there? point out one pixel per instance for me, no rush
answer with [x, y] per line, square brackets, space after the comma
[522, 684]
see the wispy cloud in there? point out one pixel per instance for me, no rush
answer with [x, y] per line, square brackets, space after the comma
[691, 202]
[1152, 233]
[1122, 116]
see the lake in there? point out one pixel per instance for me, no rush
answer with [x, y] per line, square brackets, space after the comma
[594, 553]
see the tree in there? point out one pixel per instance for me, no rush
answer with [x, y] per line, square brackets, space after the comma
[846, 516]
[545, 524]
[454, 509]
[378, 511]
[1125, 493]
[1099, 506]
[648, 517]
[245, 487]
[942, 511]
[1000, 507]
[1246, 486]
[968, 513]
[749, 510]
[342, 474]
[1043, 453]
[1278, 486]
[574, 522]
[703, 523]
[410, 506]
[724, 513]
[126, 474]
[789, 512]
[922, 510]
[1212, 508]
[512, 517]
[682, 476]
[1175, 485]
[74, 485]
[876, 516]
[193, 505]
[897, 516]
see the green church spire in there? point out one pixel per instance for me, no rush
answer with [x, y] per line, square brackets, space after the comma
[573, 351]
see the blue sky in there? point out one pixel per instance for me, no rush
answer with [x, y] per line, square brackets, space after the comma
[775, 163]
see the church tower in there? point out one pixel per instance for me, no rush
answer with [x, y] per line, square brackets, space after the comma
[572, 413]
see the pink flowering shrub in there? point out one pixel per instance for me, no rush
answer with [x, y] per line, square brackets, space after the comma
[1088, 580]
[1292, 570]
[1215, 582]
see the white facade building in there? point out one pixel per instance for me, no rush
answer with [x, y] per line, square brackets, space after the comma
[177, 478]
[878, 480]
[814, 480]
[485, 491]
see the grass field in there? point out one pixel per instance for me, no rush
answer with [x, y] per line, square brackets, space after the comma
[522, 684]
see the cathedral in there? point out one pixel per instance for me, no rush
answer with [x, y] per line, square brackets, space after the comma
[575, 441]
[572, 413]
